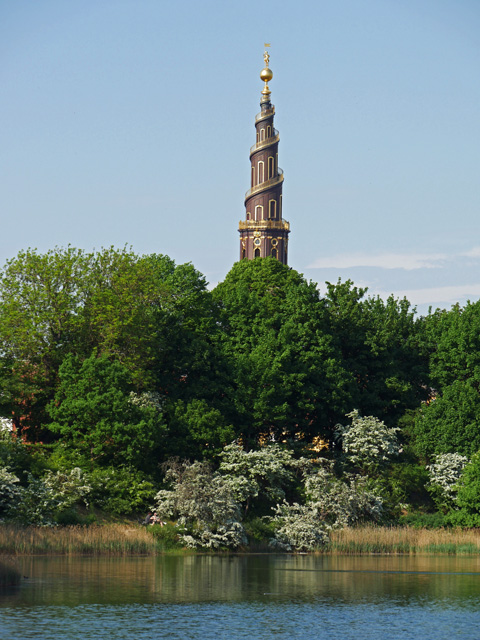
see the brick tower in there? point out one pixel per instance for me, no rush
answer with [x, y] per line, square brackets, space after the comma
[264, 232]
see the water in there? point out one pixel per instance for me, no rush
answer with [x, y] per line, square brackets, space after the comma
[254, 597]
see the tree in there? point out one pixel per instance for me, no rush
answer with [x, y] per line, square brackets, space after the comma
[445, 473]
[196, 430]
[382, 347]
[467, 511]
[41, 298]
[454, 343]
[449, 423]
[208, 514]
[289, 381]
[367, 443]
[266, 472]
[154, 318]
[94, 410]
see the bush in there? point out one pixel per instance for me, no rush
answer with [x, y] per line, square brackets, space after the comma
[36, 505]
[444, 474]
[259, 530]
[423, 520]
[167, 535]
[204, 504]
[121, 491]
[298, 527]
[367, 442]
[9, 489]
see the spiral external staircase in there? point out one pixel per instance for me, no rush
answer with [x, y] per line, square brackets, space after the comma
[264, 232]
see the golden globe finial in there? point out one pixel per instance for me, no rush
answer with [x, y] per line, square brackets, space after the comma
[266, 74]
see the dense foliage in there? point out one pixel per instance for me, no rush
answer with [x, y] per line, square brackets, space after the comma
[260, 409]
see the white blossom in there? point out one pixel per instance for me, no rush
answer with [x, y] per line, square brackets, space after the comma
[298, 528]
[146, 399]
[68, 487]
[445, 473]
[367, 441]
[9, 488]
[207, 511]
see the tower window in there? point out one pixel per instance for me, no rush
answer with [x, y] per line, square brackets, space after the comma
[248, 215]
[274, 253]
[244, 254]
[257, 253]
[262, 134]
[259, 212]
[261, 172]
[269, 131]
[271, 166]
[272, 208]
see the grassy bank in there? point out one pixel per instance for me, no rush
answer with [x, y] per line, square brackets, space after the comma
[112, 539]
[405, 540]
[121, 539]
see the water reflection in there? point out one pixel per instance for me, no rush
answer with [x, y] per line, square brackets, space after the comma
[70, 581]
[249, 597]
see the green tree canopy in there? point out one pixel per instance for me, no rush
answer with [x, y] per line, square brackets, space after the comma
[289, 380]
[96, 410]
[382, 349]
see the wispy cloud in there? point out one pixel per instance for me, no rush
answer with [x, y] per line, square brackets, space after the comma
[435, 295]
[407, 261]
[474, 252]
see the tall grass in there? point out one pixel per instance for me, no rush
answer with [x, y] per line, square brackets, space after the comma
[122, 540]
[404, 540]
[113, 539]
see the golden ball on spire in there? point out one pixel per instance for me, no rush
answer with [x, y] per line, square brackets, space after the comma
[266, 74]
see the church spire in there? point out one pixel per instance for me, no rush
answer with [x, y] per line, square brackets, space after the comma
[264, 232]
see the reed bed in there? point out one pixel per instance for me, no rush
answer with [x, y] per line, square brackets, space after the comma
[405, 540]
[105, 540]
[123, 540]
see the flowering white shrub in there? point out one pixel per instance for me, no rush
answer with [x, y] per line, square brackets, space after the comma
[36, 504]
[298, 527]
[267, 469]
[367, 441]
[68, 487]
[330, 503]
[445, 473]
[204, 504]
[147, 399]
[9, 488]
[6, 424]
[343, 504]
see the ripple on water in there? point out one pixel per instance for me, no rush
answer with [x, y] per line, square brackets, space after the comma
[238, 621]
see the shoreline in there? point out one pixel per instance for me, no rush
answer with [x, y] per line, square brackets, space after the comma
[136, 540]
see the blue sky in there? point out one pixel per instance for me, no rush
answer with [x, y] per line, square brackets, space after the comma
[129, 123]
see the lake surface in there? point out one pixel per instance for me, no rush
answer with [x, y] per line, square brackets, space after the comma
[272, 597]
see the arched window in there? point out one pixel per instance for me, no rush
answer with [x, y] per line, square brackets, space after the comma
[257, 253]
[271, 167]
[259, 212]
[261, 172]
[253, 176]
[244, 254]
[262, 134]
[248, 215]
[274, 253]
[269, 131]
[272, 208]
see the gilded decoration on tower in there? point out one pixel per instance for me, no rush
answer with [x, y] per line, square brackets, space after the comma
[264, 232]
